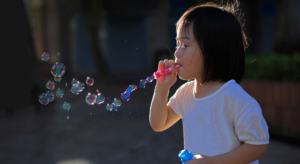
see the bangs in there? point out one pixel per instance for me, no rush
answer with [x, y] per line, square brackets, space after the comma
[183, 24]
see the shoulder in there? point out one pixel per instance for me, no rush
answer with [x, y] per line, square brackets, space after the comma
[187, 85]
[240, 100]
[184, 88]
[238, 94]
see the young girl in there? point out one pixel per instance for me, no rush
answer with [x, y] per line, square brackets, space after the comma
[221, 122]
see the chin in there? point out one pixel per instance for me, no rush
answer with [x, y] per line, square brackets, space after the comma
[183, 78]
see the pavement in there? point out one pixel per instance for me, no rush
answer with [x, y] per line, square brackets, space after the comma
[92, 135]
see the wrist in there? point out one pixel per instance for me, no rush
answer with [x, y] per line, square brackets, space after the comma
[162, 88]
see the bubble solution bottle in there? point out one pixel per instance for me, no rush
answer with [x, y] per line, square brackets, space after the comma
[185, 155]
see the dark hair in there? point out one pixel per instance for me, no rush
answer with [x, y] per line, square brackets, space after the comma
[218, 29]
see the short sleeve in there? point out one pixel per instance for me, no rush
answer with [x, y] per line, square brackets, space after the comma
[251, 127]
[174, 101]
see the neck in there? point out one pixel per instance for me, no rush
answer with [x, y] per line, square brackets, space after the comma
[206, 89]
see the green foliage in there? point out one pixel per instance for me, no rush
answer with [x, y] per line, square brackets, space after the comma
[273, 67]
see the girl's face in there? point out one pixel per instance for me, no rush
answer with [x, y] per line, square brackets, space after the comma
[188, 54]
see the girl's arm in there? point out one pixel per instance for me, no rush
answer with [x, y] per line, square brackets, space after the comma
[243, 154]
[161, 116]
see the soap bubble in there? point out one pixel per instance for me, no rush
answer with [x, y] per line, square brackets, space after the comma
[109, 107]
[66, 106]
[117, 102]
[114, 107]
[57, 78]
[43, 99]
[142, 83]
[58, 69]
[90, 98]
[89, 81]
[59, 93]
[132, 87]
[99, 99]
[74, 81]
[81, 86]
[50, 96]
[149, 79]
[66, 84]
[126, 95]
[58, 53]
[75, 89]
[45, 56]
[50, 85]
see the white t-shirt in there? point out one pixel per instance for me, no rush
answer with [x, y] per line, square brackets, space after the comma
[218, 123]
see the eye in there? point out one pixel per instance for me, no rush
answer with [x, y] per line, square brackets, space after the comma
[184, 46]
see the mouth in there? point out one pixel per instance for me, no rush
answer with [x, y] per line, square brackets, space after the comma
[178, 65]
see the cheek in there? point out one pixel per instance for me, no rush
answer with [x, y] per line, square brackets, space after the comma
[195, 66]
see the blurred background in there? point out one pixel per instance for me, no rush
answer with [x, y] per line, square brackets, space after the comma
[118, 43]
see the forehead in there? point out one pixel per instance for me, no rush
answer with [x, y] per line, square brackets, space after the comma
[185, 32]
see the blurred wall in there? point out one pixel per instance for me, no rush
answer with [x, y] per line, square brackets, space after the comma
[133, 38]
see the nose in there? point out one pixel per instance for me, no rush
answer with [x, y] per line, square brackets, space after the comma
[177, 54]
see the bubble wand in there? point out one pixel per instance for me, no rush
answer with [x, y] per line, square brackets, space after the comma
[156, 75]
[164, 71]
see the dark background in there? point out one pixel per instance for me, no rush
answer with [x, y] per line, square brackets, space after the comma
[117, 42]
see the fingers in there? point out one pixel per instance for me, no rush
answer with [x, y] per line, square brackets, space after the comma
[161, 65]
[172, 63]
[165, 64]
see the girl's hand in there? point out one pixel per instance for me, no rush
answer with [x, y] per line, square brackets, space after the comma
[200, 159]
[167, 80]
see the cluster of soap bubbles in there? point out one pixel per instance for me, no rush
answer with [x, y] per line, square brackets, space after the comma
[47, 97]
[126, 95]
[59, 69]
[148, 80]
[114, 106]
[77, 86]
[92, 99]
